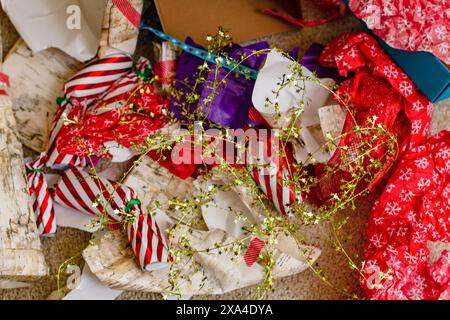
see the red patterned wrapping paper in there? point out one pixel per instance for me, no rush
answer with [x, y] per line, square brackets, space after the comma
[413, 210]
[412, 25]
[380, 89]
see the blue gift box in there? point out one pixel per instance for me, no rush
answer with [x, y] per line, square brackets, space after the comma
[429, 73]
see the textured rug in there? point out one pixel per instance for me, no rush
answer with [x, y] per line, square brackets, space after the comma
[307, 285]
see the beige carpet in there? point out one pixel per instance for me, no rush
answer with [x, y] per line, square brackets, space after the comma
[306, 285]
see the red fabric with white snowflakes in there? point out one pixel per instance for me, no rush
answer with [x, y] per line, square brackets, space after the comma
[379, 88]
[413, 25]
[413, 209]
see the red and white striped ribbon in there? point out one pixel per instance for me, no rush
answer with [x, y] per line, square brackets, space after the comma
[101, 197]
[271, 175]
[118, 94]
[41, 200]
[85, 87]
[128, 11]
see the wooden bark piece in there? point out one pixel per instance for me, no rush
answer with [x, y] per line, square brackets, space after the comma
[112, 261]
[154, 183]
[119, 34]
[36, 81]
[21, 257]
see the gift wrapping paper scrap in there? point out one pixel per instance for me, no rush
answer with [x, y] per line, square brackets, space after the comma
[40, 197]
[84, 87]
[413, 210]
[411, 25]
[378, 90]
[126, 114]
[275, 179]
[205, 55]
[230, 106]
[120, 205]
[128, 11]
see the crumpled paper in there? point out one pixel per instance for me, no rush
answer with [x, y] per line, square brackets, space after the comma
[378, 90]
[412, 25]
[413, 210]
[204, 273]
[126, 114]
[276, 68]
[52, 23]
[231, 104]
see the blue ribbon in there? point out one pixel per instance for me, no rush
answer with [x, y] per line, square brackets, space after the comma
[205, 55]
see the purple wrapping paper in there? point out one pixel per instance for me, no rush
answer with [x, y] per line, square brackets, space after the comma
[233, 99]
[311, 61]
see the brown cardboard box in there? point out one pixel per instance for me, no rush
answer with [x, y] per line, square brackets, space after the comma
[197, 18]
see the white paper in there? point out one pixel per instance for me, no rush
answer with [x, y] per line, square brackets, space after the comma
[54, 24]
[332, 120]
[315, 96]
[91, 288]
[11, 284]
[275, 68]
[119, 154]
[217, 214]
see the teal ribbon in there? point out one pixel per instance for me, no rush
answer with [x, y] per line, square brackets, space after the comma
[205, 55]
[130, 204]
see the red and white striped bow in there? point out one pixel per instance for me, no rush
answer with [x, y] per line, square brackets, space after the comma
[103, 198]
[86, 86]
[41, 200]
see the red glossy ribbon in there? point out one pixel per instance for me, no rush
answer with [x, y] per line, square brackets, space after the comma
[129, 12]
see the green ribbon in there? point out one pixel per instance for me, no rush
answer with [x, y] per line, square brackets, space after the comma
[61, 100]
[37, 170]
[145, 74]
[130, 204]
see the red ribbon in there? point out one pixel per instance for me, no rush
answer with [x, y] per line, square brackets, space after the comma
[254, 249]
[336, 9]
[165, 70]
[129, 12]
[301, 22]
[5, 80]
